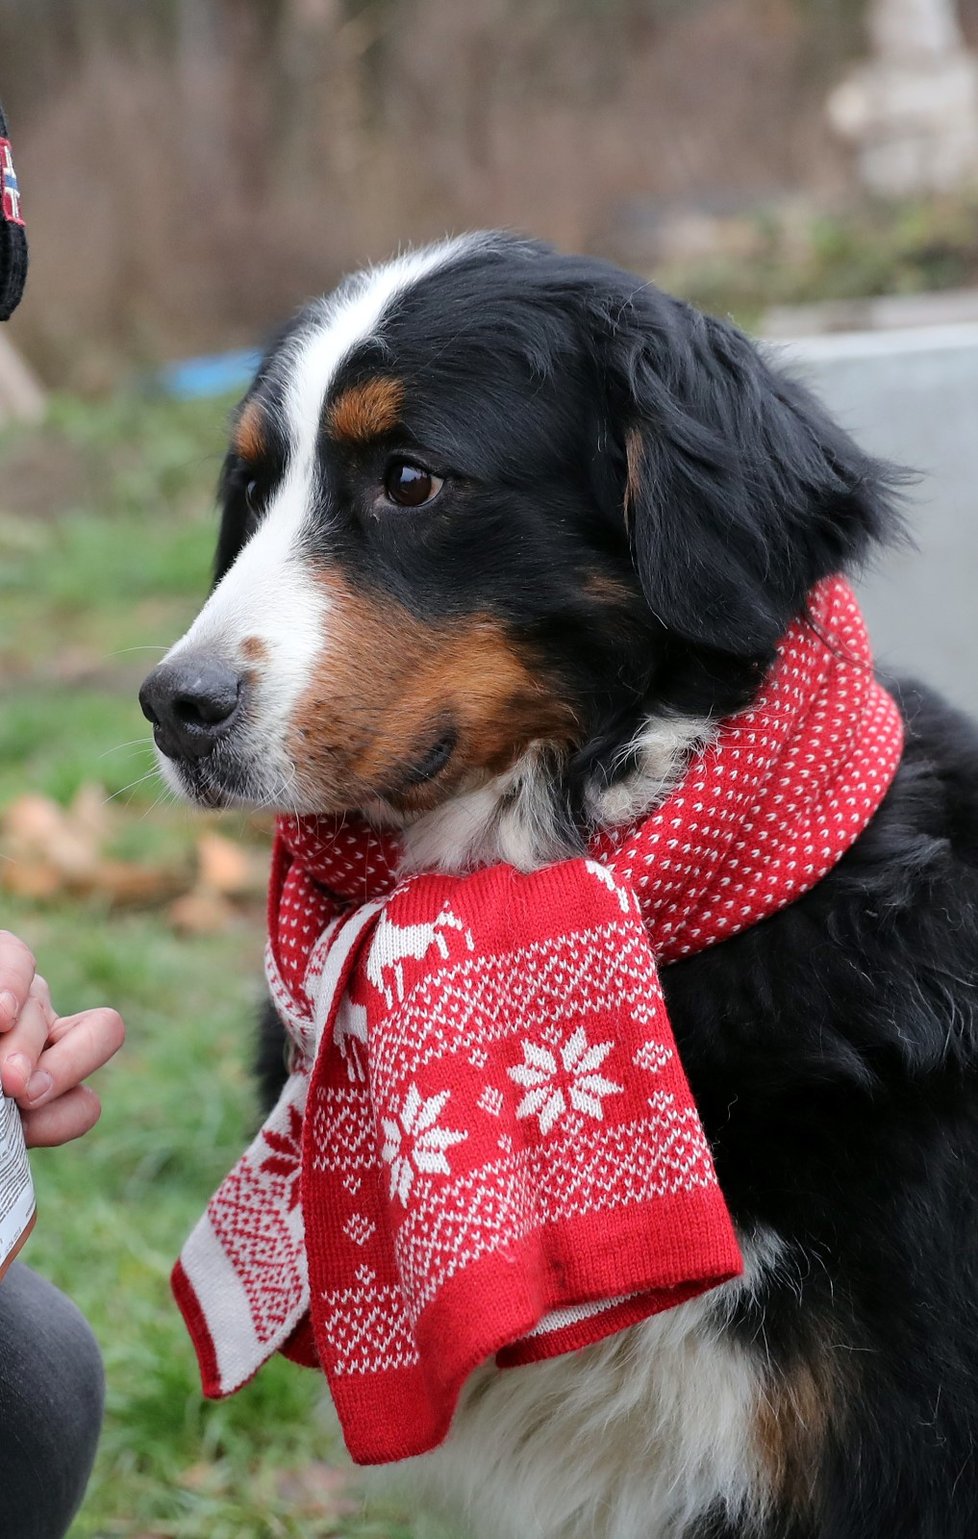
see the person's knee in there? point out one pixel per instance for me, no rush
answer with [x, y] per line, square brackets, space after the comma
[52, 1392]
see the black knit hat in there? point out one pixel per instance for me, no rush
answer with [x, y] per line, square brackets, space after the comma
[13, 236]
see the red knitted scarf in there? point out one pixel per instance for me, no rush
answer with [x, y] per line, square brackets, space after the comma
[487, 1146]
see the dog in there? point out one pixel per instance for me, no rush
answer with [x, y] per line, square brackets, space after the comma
[505, 534]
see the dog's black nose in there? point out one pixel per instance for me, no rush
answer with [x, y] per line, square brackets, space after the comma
[191, 702]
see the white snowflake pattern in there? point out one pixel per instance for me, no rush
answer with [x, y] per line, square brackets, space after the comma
[550, 1083]
[413, 1141]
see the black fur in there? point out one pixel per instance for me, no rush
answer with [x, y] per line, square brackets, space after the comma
[525, 372]
[833, 1048]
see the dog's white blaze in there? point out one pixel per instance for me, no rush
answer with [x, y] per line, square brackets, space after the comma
[269, 595]
[635, 1438]
[347, 320]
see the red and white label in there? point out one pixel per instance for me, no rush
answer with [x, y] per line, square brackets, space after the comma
[16, 1186]
[9, 189]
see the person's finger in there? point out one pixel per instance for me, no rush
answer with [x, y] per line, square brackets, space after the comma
[22, 1047]
[40, 991]
[77, 1046]
[17, 969]
[68, 1117]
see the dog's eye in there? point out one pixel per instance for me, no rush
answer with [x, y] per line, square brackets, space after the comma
[409, 485]
[254, 502]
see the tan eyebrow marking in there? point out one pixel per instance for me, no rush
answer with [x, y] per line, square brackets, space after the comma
[249, 433]
[365, 411]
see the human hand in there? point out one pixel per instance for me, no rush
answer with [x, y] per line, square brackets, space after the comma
[45, 1057]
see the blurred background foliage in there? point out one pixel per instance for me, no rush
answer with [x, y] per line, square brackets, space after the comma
[192, 169]
[106, 535]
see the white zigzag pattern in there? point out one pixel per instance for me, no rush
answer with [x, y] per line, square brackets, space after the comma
[344, 1134]
[453, 1224]
[472, 1003]
[368, 1329]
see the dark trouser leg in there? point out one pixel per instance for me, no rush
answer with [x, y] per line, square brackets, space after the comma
[51, 1394]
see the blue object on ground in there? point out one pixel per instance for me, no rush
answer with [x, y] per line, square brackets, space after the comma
[218, 374]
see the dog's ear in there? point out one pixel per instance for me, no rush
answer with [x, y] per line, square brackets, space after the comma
[739, 491]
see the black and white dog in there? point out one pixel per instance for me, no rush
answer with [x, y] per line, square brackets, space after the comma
[504, 534]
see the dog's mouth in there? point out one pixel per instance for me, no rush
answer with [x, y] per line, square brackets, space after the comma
[228, 778]
[219, 785]
[426, 766]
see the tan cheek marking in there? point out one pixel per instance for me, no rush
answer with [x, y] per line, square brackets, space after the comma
[366, 411]
[501, 704]
[249, 433]
[387, 680]
[792, 1423]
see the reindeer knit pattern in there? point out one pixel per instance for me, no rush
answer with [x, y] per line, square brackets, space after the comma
[487, 1146]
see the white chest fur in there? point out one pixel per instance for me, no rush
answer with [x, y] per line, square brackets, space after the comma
[633, 1438]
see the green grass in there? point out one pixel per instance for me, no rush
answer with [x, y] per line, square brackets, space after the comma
[106, 535]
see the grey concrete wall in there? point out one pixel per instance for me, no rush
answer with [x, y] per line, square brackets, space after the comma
[912, 396]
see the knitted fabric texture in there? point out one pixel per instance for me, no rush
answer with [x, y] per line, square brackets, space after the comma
[487, 1146]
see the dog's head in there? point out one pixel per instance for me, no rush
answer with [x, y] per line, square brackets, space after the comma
[489, 501]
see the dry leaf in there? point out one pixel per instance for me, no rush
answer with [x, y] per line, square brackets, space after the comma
[127, 885]
[224, 867]
[201, 912]
[30, 878]
[33, 819]
[37, 827]
[90, 810]
[52, 850]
